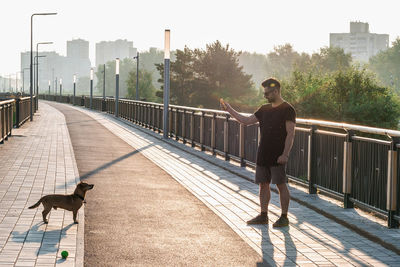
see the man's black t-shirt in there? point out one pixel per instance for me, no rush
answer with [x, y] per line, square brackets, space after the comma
[273, 131]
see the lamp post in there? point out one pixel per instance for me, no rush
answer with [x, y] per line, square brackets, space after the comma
[49, 86]
[137, 75]
[31, 66]
[166, 83]
[73, 102]
[91, 87]
[116, 86]
[37, 73]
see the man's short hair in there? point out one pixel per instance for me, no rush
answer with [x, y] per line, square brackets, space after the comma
[271, 83]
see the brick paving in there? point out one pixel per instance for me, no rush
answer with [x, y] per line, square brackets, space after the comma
[38, 160]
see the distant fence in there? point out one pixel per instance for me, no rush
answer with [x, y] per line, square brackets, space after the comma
[331, 157]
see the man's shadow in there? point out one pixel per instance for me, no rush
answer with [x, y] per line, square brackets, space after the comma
[267, 247]
[36, 235]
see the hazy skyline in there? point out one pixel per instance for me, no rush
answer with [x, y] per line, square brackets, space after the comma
[253, 26]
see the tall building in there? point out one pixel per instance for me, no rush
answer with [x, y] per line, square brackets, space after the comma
[108, 51]
[360, 42]
[54, 67]
[78, 48]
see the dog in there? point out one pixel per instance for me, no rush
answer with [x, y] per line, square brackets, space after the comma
[68, 202]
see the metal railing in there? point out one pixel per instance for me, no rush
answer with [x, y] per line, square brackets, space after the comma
[6, 118]
[22, 110]
[331, 157]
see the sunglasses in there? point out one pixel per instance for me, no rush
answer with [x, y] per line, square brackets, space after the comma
[268, 92]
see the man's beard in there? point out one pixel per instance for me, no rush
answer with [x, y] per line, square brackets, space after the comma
[270, 100]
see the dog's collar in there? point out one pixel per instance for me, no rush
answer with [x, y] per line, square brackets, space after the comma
[81, 197]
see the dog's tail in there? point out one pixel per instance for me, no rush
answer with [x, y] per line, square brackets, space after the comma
[36, 205]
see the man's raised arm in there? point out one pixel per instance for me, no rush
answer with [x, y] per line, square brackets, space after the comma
[246, 120]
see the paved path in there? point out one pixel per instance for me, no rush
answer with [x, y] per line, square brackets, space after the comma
[311, 239]
[38, 160]
[137, 215]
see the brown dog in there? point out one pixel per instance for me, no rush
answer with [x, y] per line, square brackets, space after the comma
[68, 202]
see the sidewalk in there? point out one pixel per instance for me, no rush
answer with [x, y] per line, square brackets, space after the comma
[311, 240]
[37, 160]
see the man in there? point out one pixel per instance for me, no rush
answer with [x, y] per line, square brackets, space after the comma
[277, 125]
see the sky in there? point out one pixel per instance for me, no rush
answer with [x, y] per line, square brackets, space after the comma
[251, 25]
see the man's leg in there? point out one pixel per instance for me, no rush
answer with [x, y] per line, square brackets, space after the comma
[265, 196]
[263, 178]
[284, 197]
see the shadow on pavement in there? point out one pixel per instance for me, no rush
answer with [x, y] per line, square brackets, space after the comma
[36, 235]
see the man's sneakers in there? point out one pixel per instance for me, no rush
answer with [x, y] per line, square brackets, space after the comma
[281, 222]
[263, 219]
[259, 219]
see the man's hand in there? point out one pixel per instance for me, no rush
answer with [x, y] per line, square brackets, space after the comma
[223, 104]
[283, 159]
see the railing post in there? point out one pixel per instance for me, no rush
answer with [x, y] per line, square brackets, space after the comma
[192, 128]
[2, 123]
[159, 119]
[347, 170]
[391, 200]
[17, 112]
[183, 127]
[226, 137]
[241, 145]
[202, 131]
[176, 124]
[170, 114]
[213, 121]
[311, 162]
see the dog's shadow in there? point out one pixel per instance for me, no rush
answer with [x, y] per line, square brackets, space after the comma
[49, 240]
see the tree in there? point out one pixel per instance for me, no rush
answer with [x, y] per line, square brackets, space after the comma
[281, 61]
[220, 75]
[330, 59]
[182, 77]
[349, 95]
[386, 65]
[83, 86]
[255, 65]
[146, 88]
[125, 67]
[200, 77]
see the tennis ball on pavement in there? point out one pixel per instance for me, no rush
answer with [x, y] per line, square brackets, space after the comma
[64, 254]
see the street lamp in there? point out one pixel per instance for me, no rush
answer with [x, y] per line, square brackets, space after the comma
[137, 75]
[31, 71]
[37, 73]
[166, 83]
[116, 86]
[91, 87]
